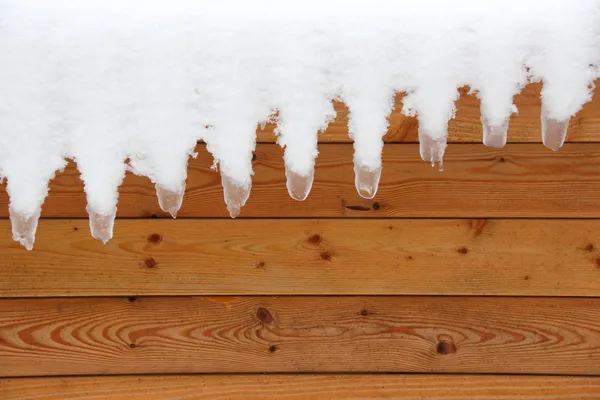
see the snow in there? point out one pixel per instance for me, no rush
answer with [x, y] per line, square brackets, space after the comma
[134, 84]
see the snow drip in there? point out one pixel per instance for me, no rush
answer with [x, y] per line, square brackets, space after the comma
[134, 84]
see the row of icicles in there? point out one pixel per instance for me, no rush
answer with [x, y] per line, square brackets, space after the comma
[298, 186]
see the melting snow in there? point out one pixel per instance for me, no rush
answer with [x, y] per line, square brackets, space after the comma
[134, 84]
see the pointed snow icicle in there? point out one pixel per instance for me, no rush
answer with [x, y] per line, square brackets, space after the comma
[370, 101]
[170, 200]
[27, 194]
[27, 187]
[432, 149]
[366, 180]
[554, 133]
[434, 108]
[26, 198]
[299, 185]
[236, 170]
[494, 135]
[367, 124]
[368, 146]
[101, 185]
[102, 224]
[232, 146]
[303, 101]
[235, 193]
[298, 127]
[299, 138]
[24, 226]
[167, 169]
[496, 93]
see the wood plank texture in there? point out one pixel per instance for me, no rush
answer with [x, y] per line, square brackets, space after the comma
[86, 336]
[518, 181]
[466, 127]
[302, 387]
[319, 257]
[368, 248]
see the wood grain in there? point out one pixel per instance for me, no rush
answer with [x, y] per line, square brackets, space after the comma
[163, 335]
[318, 257]
[466, 127]
[477, 182]
[302, 387]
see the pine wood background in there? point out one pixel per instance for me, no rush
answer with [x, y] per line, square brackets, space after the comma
[478, 282]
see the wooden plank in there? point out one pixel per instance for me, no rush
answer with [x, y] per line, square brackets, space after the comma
[466, 127]
[317, 257]
[302, 387]
[162, 335]
[477, 182]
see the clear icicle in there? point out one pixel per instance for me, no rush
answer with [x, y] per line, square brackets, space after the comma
[235, 193]
[24, 227]
[366, 180]
[554, 132]
[432, 150]
[102, 224]
[170, 201]
[494, 135]
[298, 185]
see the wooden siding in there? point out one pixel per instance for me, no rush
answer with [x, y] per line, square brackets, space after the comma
[478, 282]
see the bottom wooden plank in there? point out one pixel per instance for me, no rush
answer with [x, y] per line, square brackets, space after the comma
[302, 387]
[359, 334]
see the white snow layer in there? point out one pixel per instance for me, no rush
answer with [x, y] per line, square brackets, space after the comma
[134, 84]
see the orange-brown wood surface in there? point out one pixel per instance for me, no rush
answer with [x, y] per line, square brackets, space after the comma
[450, 250]
[524, 180]
[164, 335]
[466, 127]
[322, 257]
[301, 387]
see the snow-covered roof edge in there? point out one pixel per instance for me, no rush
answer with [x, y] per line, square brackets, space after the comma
[102, 82]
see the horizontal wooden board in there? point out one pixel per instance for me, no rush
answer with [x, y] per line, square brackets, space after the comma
[302, 387]
[466, 127]
[518, 181]
[324, 257]
[77, 336]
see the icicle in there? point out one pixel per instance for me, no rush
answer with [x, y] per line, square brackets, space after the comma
[434, 106]
[235, 165]
[170, 200]
[367, 124]
[101, 225]
[554, 132]
[300, 142]
[235, 194]
[101, 184]
[494, 135]
[27, 187]
[167, 169]
[366, 180]
[232, 146]
[298, 185]
[299, 137]
[432, 150]
[367, 162]
[303, 101]
[24, 227]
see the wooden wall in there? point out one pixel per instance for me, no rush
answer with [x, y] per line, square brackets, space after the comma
[478, 282]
